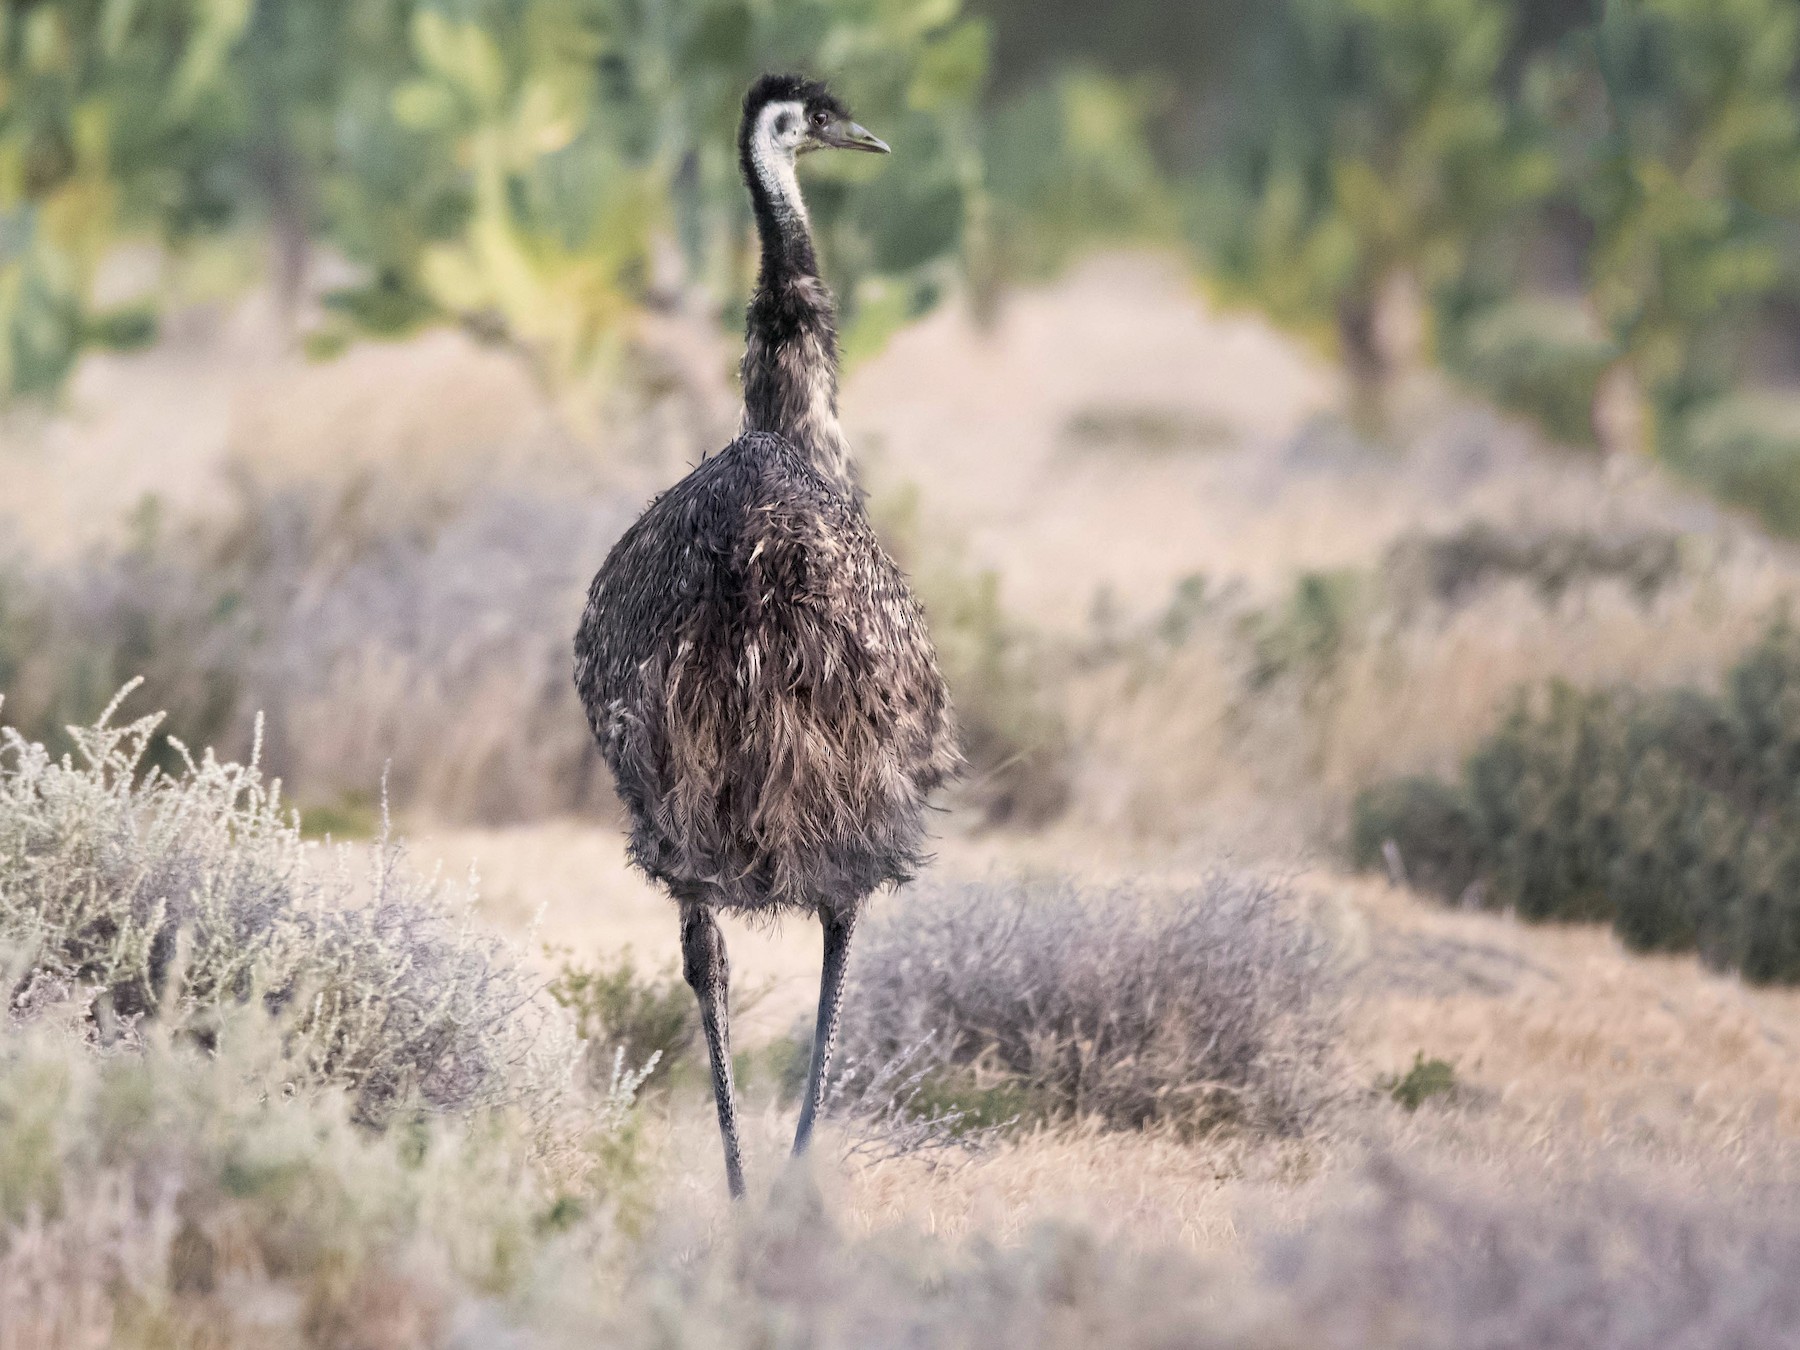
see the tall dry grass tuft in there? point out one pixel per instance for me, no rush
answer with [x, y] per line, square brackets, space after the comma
[1212, 1004]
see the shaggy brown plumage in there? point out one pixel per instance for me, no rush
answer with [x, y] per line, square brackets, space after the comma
[763, 686]
[755, 668]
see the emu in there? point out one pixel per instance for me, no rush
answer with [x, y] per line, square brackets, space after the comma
[753, 664]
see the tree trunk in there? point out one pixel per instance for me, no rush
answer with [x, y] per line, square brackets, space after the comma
[1380, 335]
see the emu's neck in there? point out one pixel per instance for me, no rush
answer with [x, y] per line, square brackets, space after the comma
[790, 347]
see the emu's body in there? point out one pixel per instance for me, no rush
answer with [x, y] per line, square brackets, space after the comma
[754, 666]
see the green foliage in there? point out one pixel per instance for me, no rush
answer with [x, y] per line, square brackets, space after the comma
[1427, 823]
[1427, 1078]
[351, 815]
[1673, 815]
[615, 1008]
[975, 1106]
[1304, 637]
[1745, 447]
[508, 166]
[1374, 146]
[1612, 211]
[1698, 163]
[1535, 356]
[1069, 165]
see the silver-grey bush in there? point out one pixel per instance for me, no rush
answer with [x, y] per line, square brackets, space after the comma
[182, 892]
[1213, 1002]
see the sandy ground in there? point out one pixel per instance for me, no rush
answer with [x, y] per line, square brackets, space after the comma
[1567, 1050]
[1565, 1046]
[1252, 479]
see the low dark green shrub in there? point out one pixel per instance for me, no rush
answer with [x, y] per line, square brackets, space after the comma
[1427, 1078]
[1427, 822]
[1674, 816]
[1449, 568]
[1746, 449]
[1543, 793]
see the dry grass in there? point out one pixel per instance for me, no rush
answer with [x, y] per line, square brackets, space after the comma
[1565, 1025]
[1572, 1057]
[1199, 738]
[1653, 1133]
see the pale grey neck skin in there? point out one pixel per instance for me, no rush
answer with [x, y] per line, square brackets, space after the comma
[790, 353]
[780, 131]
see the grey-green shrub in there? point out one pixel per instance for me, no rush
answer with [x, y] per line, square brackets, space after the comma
[1211, 1003]
[1537, 356]
[1427, 822]
[191, 891]
[1745, 448]
[1675, 815]
[156, 1194]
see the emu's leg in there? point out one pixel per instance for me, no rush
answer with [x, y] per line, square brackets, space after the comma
[825, 1034]
[704, 965]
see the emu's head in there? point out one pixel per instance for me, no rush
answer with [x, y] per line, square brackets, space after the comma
[789, 115]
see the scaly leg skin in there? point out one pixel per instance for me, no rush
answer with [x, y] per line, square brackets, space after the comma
[708, 973]
[825, 1034]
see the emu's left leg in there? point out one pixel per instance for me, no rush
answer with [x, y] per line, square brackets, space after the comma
[825, 1034]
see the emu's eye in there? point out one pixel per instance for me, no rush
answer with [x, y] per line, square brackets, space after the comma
[821, 120]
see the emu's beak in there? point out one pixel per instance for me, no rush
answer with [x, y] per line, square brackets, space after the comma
[850, 136]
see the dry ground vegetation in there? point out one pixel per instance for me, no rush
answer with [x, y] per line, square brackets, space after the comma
[1137, 1066]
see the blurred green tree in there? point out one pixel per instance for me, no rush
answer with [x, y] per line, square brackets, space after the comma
[1069, 166]
[1691, 178]
[106, 110]
[1700, 163]
[509, 164]
[1374, 152]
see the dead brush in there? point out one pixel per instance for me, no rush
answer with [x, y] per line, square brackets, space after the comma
[360, 634]
[1208, 1005]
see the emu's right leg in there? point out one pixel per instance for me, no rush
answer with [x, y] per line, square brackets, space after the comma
[704, 965]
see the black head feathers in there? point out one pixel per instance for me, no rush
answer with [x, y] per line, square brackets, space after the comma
[792, 89]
